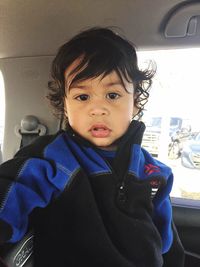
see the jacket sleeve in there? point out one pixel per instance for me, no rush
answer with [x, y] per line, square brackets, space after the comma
[25, 183]
[37, 174]
[163, 213]
[175, 256]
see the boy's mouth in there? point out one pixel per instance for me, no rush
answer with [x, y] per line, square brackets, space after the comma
[100, 131]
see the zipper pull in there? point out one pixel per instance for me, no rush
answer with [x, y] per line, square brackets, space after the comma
[121, 193]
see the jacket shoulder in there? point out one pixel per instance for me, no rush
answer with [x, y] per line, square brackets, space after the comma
[151, 161]
[36, 149]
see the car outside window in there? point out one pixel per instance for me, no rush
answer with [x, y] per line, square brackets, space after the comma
[171, 116]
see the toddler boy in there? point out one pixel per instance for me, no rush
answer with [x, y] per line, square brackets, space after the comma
[92, 195]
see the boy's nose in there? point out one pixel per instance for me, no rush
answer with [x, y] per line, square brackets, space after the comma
[98, 111]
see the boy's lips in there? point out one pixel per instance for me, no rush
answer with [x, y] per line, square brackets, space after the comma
[100, 131]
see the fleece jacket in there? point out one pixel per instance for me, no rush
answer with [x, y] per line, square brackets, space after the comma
[86, 211]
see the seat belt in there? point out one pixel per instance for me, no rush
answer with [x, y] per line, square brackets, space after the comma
[29, 129]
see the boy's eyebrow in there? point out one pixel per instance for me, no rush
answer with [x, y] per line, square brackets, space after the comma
[75, 85]
[114, 83]
[78, 86]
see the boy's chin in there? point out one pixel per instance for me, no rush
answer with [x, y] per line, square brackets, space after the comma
[106, 146]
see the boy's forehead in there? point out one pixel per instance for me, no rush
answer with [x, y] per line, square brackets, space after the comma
[111, 78]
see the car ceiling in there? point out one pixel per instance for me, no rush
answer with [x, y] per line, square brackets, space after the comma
[38, 28]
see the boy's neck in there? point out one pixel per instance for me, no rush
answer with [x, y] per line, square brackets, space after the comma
[112, 147]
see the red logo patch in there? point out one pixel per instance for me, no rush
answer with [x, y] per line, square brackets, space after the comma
[149, 169]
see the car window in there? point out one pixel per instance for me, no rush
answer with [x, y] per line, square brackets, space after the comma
[172, 125]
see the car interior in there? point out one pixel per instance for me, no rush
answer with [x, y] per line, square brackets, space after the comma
[162, 31]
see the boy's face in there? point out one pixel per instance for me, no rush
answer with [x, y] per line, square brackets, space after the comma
[100, 110]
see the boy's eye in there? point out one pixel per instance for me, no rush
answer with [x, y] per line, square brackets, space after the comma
[82, 97]
[112, 95]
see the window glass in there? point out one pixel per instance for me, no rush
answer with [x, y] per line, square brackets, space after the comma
[2, 113]
[172, 116]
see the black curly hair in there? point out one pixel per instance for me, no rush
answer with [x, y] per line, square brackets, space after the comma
[101, 51]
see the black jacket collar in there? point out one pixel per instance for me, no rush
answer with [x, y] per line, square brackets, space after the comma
[121, 161]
